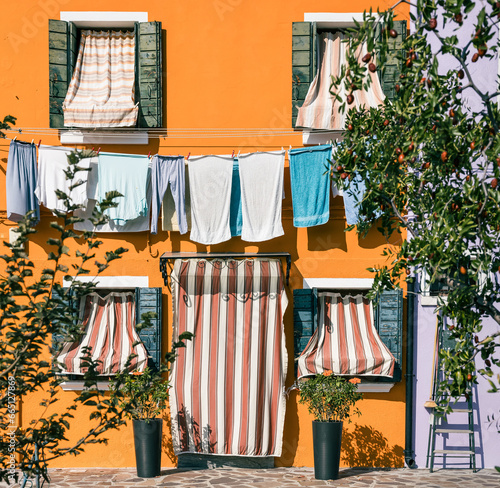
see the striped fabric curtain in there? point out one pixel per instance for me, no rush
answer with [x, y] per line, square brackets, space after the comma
[228, 383]
[320, 110]
[345, 341]
[109, 330]
[101, 91]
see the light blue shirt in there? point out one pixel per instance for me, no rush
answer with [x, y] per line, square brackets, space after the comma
[128, 174]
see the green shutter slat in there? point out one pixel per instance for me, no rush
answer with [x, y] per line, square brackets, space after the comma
[149, 300]
[389, 325]
[62, 56]
[303, 62]
[149, 92]
[67, 299]
[304, 319]
[393, 66]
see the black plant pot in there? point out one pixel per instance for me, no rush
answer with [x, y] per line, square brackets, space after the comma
[327, 437]
[147, 440]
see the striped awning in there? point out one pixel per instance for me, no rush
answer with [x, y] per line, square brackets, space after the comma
[101, 91]
[109, 331]
[345, 341]
[228, 383]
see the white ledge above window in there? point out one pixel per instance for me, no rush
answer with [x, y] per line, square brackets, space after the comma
[108, 20]
[101, 137]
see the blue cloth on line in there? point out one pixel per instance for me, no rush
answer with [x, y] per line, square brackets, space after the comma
[310, 180]
[21, 181]
[128, 174]
[353, 196]
[168, 170]
[235, 212]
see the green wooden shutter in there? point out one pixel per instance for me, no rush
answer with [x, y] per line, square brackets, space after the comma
[62, 56]
[389, 325]
[303, 62]
[69, 308]
[148, 86]
[389, 75]
[149, 300]
[304, 319]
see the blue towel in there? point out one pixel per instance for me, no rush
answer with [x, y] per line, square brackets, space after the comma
[129, 175]
[352, 199]
[310, 181]
[235, 213]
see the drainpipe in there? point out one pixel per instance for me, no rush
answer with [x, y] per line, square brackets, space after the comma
[409, 375]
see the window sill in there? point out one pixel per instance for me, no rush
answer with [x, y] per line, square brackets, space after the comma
[102, 137]
[76, 385]
[310, 137]
[375, 387]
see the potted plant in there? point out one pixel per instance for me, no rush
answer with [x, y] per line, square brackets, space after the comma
[331, 400]
[143, 397]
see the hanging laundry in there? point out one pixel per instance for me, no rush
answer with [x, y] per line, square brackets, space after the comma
[310, 180]
[261, 177]
[353, 196]
[128, 174]
[210, 178]
[167, 171]
[140, 224]
[21, 181]
[52, 166]
[235, 212]
[169, 218]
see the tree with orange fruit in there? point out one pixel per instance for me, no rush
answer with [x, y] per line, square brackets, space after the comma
[430, 162]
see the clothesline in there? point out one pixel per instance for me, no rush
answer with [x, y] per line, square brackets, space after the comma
[98, 150]
[181, 133]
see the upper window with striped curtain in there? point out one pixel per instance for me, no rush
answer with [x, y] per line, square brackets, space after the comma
[105, 78]
[318, 53]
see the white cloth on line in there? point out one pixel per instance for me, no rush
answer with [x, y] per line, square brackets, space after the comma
[210, 179]
[261, 177]
[140, 224]
[52, 164]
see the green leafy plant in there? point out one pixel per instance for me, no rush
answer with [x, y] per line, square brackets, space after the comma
[329, 398]
[430, 161]
[143, 395]
[34, 307]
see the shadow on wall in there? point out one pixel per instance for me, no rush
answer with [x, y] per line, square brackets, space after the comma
[367, 447]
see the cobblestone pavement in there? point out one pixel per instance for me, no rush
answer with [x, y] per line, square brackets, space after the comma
[271, 478]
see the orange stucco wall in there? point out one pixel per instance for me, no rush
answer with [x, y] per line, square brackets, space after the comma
[227, 65]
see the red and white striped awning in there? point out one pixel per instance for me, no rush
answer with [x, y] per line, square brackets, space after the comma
[345, 341]
[228, 393]
[109, 331]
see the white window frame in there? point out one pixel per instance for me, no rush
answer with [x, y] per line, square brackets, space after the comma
[362, 284]
[116, 282]
[100, 20]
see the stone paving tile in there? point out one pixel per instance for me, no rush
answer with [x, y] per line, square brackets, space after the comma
[271, 478]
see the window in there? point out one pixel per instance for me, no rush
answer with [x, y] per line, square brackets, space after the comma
[144, 300]
[63, 50]
[305, 57]
[388, 319]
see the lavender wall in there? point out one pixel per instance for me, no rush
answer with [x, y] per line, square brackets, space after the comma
[487, 439]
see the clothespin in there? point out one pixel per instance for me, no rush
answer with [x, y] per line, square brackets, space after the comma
[149, 155]
[98, 151]
[14, 138]
[32, 141]
[39, 142]
[189, 154]
[290, 147]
